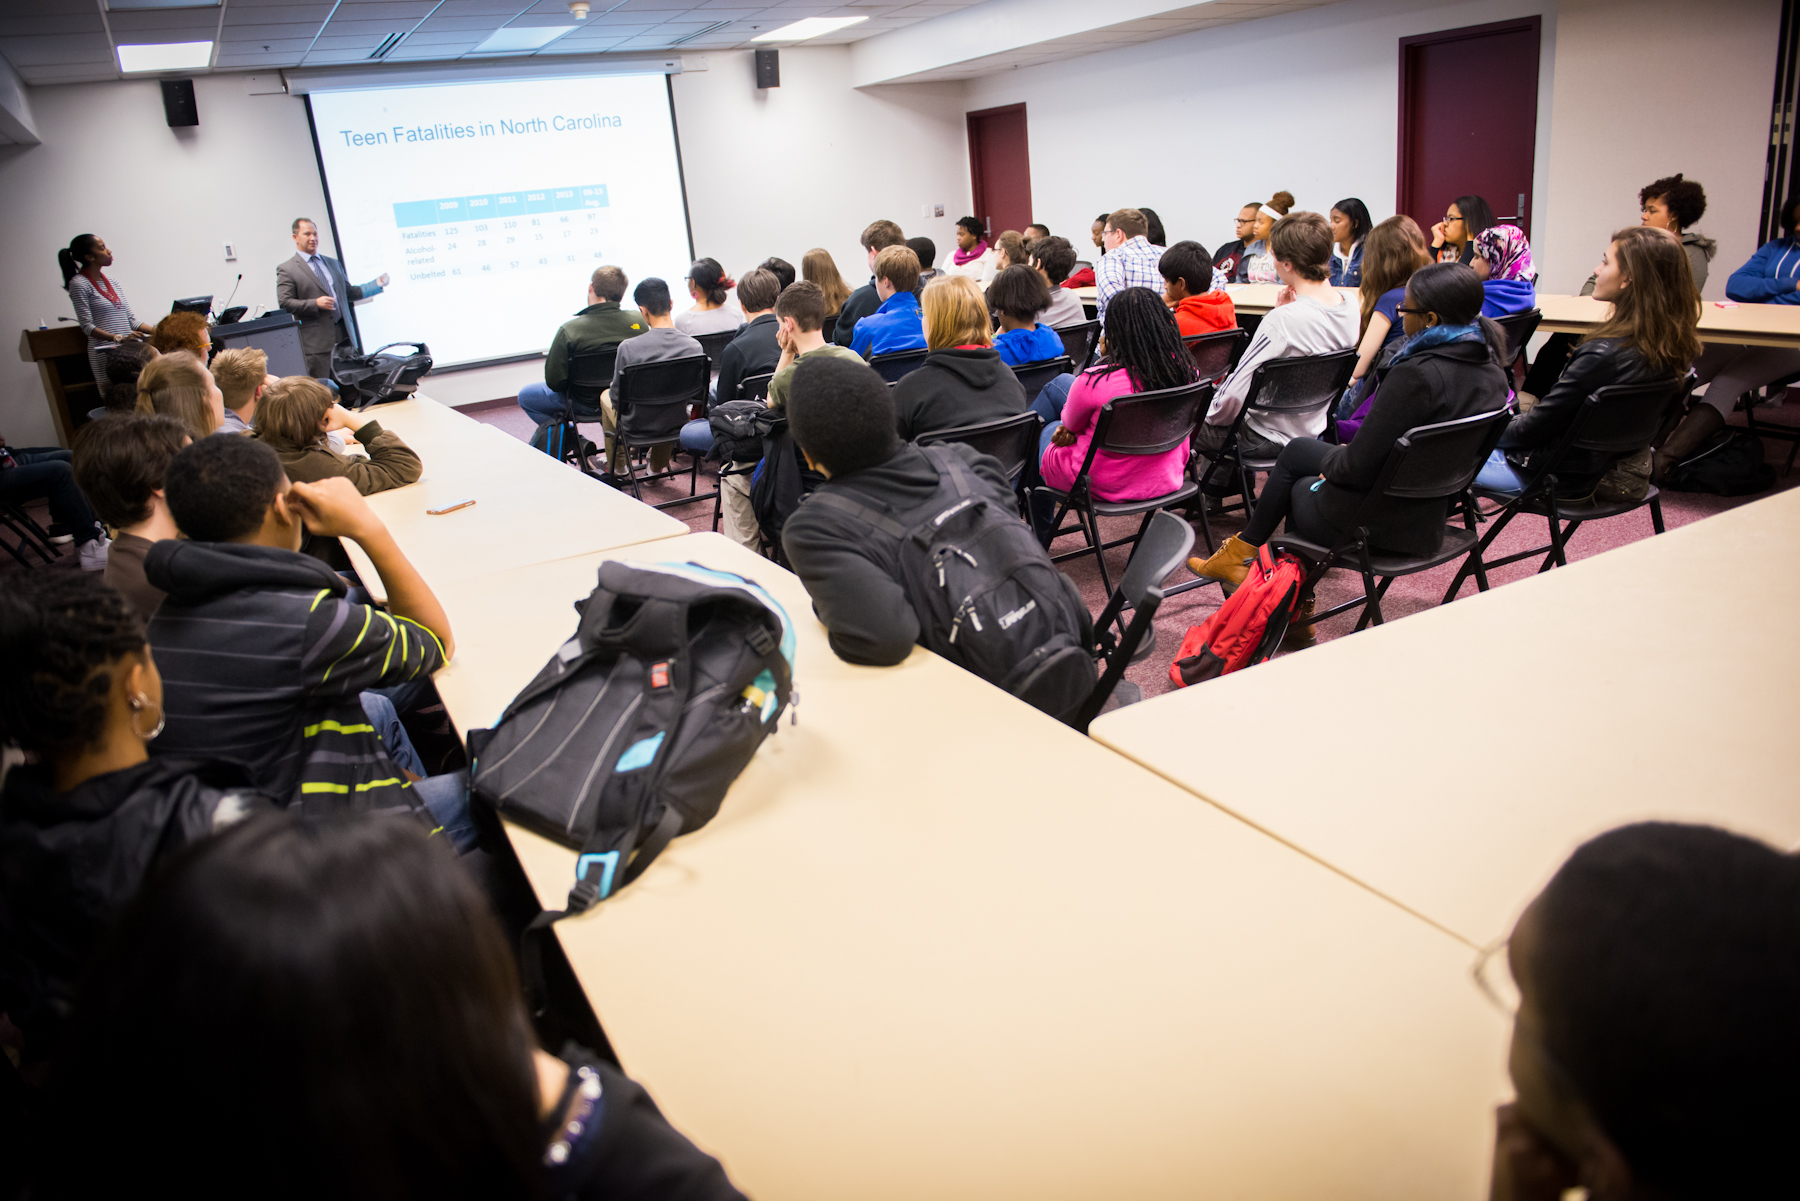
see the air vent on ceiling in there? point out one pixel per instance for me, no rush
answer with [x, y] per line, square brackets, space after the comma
[387, 45]
[700, 32]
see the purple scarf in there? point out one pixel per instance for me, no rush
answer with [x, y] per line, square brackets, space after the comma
[965, 257]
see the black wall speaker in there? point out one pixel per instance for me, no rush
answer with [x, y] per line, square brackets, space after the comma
[178, 102]
[768, 68]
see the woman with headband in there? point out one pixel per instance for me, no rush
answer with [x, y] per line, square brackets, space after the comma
[1258, 264]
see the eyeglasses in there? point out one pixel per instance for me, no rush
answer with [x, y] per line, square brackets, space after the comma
[1449, 220]
[1415, 312]
[1492, 972]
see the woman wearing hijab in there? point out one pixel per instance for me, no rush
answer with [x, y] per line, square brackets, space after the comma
[1503, 262]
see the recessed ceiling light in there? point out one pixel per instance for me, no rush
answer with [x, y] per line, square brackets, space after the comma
[166, 56]
[811, 27]
[521, 37]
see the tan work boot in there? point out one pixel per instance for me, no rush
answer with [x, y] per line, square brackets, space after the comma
[1299, 634]
[1230, 563]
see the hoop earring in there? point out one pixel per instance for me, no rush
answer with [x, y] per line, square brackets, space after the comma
[138, 701]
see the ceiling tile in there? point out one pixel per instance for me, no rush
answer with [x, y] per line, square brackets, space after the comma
[67, 73]
[45, 52]
[53, 24]
[264, 33]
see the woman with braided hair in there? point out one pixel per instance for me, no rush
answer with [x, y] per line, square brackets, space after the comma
[90, 814]
[1141, 351]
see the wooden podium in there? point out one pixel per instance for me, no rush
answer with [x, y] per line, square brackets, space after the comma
[69, 387]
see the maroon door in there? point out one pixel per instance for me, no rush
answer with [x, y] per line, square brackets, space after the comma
[1000, 166]
[1468, 120]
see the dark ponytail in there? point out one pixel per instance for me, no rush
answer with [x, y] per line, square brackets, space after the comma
[1455, 294]
[70, 260]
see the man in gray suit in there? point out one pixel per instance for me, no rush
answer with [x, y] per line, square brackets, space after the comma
[314, 288]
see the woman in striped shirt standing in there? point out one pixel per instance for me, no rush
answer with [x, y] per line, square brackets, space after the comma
[100, 305]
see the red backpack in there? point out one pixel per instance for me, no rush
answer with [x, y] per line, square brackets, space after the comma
[1248, 626]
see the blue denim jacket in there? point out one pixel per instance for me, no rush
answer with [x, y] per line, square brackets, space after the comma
[896, 325]
[1347, 274]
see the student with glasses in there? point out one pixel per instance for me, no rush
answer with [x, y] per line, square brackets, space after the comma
[1227, 256]
[1453, 238]
[1653, 988]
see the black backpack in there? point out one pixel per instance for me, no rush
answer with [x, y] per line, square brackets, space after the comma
[737, 432]
[633, 730]
[986, 594]
[781, 483]
[378, 377]
[1729, 464]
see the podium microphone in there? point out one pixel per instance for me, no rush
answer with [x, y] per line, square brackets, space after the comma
[234, 288]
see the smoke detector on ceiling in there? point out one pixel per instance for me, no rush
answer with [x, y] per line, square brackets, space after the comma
[578, 9]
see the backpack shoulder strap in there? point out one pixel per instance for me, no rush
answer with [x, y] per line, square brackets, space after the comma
[881, 521]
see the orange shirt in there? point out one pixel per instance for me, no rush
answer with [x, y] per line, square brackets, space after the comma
[1205, 314]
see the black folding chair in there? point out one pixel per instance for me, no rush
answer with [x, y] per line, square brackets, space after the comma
[590, 374]
[1295, 388]
[828, 329]
[895, 366]
[30, 534]
[1149, 423]
[713, 343]
[1774, 429]
[1035, 375]
[1079, 342]
[1518, 328]
[754, 387]
[652, 402]
[1428, 462]
[1165, 544]
[1215, 353]
[1012, 440]
[1617, 420]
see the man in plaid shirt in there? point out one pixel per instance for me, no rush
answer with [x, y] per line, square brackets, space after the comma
[1130, 260]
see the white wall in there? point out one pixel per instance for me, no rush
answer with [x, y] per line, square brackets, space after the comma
[768, 173]
[1707, 116]
[1196, 125]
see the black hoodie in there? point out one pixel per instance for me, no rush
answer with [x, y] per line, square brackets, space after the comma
[71, 861]
[953, 388]
[264, 662]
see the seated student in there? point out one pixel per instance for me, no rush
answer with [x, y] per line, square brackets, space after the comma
[1310, 317]
[1449, 367]
[1035, 232]
[177, 384]
[926, 249]
[1009, 251]
[119, 463]
[713, 312]
[754, 351]
[183, 331]
[91, 816]
[338, 998]
[1018, 295]
[896, 325]
[1227, 257]
[600, 325]
[842, 418]
[1199, 308]
[781, 269]
[1651, 336]
[1503, 261]
[264, 660]
[819, 268]
[1654, 1047]
[1453, 238]
[1054, 258]
[974, 255]
[29, 473]
[799, 316]
[241, 374]
[1257, 264]
[1143, 353]
[1392, 252]
[1770, 277]
[876, 238]
[1130, 260]
[660, 342]
[1153, 226]
[124, 363]
[1350, 224]
[1672, 203]
[1084, 277]
[963, 381]
[295, 415]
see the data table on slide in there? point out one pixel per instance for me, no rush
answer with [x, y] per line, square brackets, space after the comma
[447, 237]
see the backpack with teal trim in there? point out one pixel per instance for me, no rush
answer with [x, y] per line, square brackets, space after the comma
[635, 728]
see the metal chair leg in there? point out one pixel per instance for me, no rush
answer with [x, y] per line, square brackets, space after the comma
[1093, 524]
[1656, 517]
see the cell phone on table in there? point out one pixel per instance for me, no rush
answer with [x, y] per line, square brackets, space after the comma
[451, 508]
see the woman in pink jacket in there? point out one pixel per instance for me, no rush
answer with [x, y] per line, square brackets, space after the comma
[1141, 351]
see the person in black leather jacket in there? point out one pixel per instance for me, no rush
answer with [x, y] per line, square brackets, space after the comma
[85, 822]
[1651, 336]
[1438, 376]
